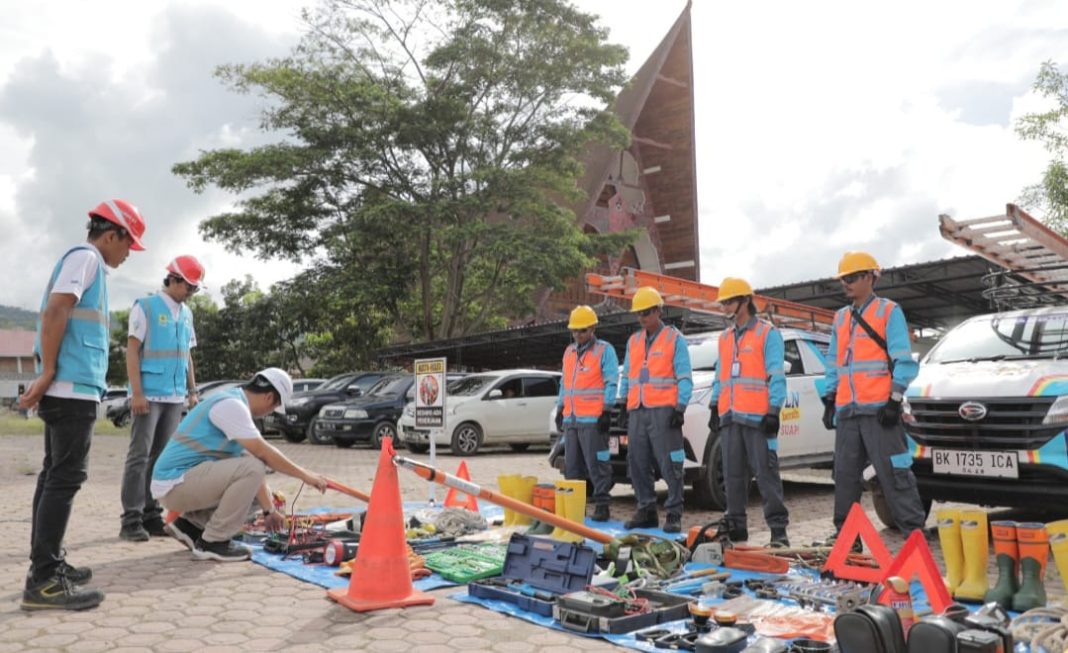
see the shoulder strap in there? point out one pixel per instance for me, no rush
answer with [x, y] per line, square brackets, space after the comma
[879, 340]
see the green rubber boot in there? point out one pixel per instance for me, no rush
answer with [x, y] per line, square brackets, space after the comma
[1034, 553]
[1007, 556]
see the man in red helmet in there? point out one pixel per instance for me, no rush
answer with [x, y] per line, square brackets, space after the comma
[71, 349]
[160, 369]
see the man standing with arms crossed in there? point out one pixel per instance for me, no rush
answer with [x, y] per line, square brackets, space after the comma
[587, 389]
[657, 383]
[72, 363]
[747, 395]
[870, 365]
[160, 368]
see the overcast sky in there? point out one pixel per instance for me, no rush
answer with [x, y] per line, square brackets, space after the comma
[821, 126]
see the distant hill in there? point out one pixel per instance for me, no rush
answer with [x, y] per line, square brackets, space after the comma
[17, 318]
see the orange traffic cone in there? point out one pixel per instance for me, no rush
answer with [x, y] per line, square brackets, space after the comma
[453, 500]
[381, 577]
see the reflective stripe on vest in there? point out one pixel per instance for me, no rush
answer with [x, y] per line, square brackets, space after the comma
[583, 381]
[83, 352]
[165, 351]
[197, 440]
[659, 387]
[746, 392]
[863, 371]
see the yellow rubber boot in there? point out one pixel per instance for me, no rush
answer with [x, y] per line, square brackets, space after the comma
[1034, 554]
[973, 535]
[1058, 544]
[507, 483]
[524, 491]
[949, 536]
[1007, 559]
[571, 505]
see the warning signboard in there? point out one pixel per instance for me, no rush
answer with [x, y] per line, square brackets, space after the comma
[430, 393]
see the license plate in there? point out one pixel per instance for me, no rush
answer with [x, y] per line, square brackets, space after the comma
[613, 446]
[327, 426]
[999, 464]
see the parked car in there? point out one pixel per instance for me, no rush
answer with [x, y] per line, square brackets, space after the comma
[503, 407]
[369, 418]
[113, 397]
[803, 441]
[271, 421]
[298, 422]
[986, 416]
[119, 412]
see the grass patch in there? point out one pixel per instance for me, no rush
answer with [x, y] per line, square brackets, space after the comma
[11, 423]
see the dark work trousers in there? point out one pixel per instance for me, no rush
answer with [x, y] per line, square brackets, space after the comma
[653, 447]
[586, 455]
[860, 439]
[148, 435]
[68, 434]
[746, 451]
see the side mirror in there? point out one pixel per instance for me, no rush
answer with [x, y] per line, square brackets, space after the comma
[495, 394]
[354, 391]
[787, 366]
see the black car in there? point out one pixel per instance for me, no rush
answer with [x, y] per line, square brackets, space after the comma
[303, 407]
[372, 417]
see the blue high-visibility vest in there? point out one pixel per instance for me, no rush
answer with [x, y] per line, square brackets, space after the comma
[165, 351]
[83, 352]
[197, 440]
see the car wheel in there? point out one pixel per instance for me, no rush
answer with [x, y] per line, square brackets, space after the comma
[342, 444]
[466, 439]
[882, 508]
[383, 430]
[417, 448]
[122, 421]
[709, 489]
[315, 437]
[519, 447]
[293, 436]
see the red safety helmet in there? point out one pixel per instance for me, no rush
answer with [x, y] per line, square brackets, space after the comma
[126, 216]
[188, 268]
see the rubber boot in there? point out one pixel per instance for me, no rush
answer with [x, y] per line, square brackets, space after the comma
[1058, 544]
[571, 505]
[973, 534]
[544, 497]
[507, 484]
[949, 537]
[1034, 553]
[524, 491]
[1007, 557]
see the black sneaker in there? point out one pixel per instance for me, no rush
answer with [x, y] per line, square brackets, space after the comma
[133, 533]
[600, 513]
[643, 519]
[858, 546]
[76, 575]
[185, 532]
[673, 523]
[228, 551]
[155, 528]
[59, 593]
[779, 539]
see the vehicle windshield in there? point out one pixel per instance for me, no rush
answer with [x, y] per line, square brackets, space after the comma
[390, 385]
[999, 337]
[470, 385]
[339, 381]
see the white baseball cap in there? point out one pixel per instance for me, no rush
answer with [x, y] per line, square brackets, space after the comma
[279, 380]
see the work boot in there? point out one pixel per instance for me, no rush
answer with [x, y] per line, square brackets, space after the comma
[1007, 557]
[523, 491]
[858, 546]
[543, 496]
[228, 551]
[155, 527]
[1033, 542]
[133, 533]
[973, 534]
[644, 518]
[571, 505]
[185, 532]
[506, 482]
[59, 593]
[779, 539]
[601, 513]
[952, 553]
[673, 523]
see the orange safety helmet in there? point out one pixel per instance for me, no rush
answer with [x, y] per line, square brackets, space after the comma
[188, 268]
[125, 215]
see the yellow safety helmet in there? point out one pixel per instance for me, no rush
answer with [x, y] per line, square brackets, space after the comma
[733, 287]
[856, 262]
[646, 297]
[583, 317]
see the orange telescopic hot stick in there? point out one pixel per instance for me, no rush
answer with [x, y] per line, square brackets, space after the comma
[344, 489]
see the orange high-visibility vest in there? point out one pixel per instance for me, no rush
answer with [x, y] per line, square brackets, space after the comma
[651, 377]
[863, 369]
[743, 379]
[583, 381]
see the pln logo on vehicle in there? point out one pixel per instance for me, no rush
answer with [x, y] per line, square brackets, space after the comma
[972, 411]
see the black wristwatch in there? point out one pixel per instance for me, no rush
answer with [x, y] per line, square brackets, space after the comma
[267, 513]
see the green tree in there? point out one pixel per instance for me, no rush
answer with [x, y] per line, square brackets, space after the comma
[120, 321]
[426, 161]
[1050, 196]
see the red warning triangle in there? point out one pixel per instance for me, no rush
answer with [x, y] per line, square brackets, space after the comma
[858, 524]
[454, 499]
[915, 559]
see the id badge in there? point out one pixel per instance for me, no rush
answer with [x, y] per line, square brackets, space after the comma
[643, 375]
[736, 369]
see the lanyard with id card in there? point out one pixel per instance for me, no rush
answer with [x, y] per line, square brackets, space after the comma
[736, 369]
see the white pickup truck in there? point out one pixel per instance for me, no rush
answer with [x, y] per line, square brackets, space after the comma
[803, 441]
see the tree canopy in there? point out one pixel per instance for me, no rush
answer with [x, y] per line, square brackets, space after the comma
[1050, 195]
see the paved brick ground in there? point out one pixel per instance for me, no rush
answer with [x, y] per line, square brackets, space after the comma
[160, 599]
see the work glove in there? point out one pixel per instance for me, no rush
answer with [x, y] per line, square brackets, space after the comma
[604, 422]
[828, 412]
[769, 424]
[677, 419]
[890, 413]
[560, 419]
[621, 406]
[713, 420]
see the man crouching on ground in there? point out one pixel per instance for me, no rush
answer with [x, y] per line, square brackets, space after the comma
[203, 474]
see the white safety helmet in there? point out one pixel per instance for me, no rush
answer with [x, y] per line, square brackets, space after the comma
[279, 380]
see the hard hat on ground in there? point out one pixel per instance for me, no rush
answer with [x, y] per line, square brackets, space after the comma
[583, 317]
[856, 262]
[125, 215]
[188, 268]
[733, 287]
[277, 379]
[646, 297]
